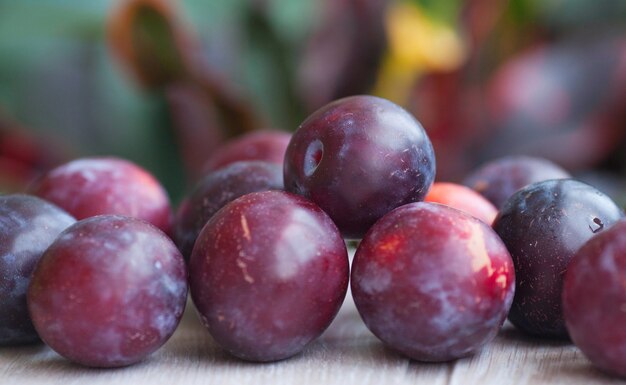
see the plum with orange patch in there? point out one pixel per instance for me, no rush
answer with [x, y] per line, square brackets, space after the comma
[432, 282]
[462, 198]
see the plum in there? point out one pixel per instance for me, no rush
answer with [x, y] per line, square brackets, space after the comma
[109, 291]
[462, 198]
[358, 158]
[268, 274]
[106, 185]
[500, 178]
[28, 225]
[594, 299]
[432, 282]
[543, 225]
[264, 145]
[215, 190]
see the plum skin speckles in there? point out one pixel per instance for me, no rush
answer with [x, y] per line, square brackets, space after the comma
[432, 282]
[108, 292]
[268, 273]
[358, 158]
[543, 225]
[594, 299]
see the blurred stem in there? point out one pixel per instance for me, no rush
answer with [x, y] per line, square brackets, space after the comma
[169, 168]
[155, 47]
[278, 67]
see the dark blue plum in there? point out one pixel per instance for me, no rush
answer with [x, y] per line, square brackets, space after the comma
[543, 225]
[217, 189]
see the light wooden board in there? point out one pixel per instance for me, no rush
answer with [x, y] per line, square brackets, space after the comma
[347, 353]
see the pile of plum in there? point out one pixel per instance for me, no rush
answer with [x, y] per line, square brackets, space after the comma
[94, 264]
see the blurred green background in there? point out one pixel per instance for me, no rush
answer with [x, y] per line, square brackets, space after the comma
[485, 77]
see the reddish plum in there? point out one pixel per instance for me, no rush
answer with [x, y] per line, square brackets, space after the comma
[500, 178]
[462, 198]
[216, 190]
[108, 292]
[358, 158]
[268, 274]
[543, 225]
[594, 299]
[93, 186]
[268, 146]
[28, 225]
[432, 282]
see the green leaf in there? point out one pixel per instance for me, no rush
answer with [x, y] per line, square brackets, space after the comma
[446, 11]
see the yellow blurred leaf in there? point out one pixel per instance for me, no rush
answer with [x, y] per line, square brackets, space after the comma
[417, 44]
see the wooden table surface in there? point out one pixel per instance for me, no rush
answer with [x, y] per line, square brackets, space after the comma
[347, 353]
